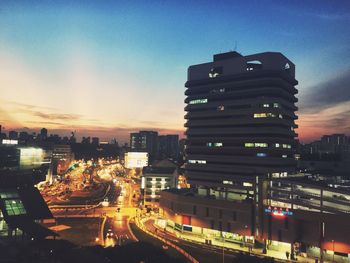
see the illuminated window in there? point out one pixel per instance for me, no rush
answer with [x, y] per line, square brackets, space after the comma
[261, 154]
[284, 156]
[280, 116]
[260, 144]
[199, 101]
[256, 144]
[264, 115]
[266, 105]
[215, 144]
[247, 184]
[286, 146]
[197, 161]
[215, 72]
[227, 182]
[277, 145]
[253, 65]
[276, 105]
[14, 207]
[221, 108]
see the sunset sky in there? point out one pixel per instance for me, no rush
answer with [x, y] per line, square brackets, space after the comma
[107, 68]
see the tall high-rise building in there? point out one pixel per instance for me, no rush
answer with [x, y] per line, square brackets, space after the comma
[240, 119]
[145, 141]
[43, 133]
[240, 124]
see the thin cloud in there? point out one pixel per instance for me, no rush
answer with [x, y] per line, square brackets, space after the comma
[47, 123]
[56, 116]
[28, 106]
[327, 94]
[333, 17]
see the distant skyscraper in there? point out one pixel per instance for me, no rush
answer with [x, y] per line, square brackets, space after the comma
[145, 141]
[13, 135]
[95, 141]
[43, 133]
[23, 136]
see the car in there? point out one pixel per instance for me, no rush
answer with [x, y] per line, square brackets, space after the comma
[110, 233]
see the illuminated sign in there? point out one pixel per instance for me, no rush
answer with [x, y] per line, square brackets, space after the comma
[31, 157]
[278, 212]
[136, 159]
[11, 142]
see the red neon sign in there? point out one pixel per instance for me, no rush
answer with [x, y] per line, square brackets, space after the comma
[278, 212]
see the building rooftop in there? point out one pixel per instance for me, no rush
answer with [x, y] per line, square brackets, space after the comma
[158, 170]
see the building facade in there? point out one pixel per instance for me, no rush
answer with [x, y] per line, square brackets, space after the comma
[153, 181]
[168, 146]
[241, 143]
[145, 141]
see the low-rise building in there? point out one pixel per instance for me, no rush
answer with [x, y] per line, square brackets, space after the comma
[153, 181]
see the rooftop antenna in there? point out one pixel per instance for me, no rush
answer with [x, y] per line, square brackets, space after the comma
[235, 48]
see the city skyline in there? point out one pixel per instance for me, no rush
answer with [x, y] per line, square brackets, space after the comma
[112, 69]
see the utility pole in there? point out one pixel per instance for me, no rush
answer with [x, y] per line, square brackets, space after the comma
[223, 247]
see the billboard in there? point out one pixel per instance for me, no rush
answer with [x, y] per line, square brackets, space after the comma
[136, 159]
[8, 141]
[31, 157]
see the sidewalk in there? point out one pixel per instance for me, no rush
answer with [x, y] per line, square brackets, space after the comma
[228, 245]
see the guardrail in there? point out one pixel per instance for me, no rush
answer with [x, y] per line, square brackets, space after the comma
[180, 250]
[58, 207]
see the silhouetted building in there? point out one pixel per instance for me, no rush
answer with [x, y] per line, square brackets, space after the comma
[85, 140]
[54, 138]
[13, 135]
[43, 133]
[23, 137]
[95, 141]
[22, 208]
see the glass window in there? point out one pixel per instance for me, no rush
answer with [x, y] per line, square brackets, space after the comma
[197, 161]
[198, 101]
[264, 115]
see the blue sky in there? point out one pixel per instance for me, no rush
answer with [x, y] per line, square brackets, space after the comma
[111, 67]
